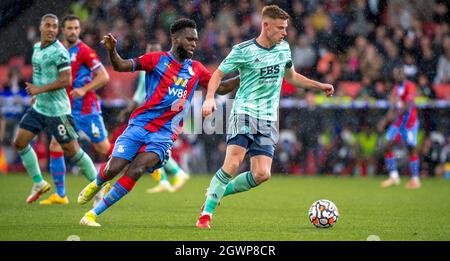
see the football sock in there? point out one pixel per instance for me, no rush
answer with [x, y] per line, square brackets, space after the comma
[414, 166]
[58, 171]
[391, 164]
[240, 183]
[84, 162]
[31, 164]
[163, 175]
[215, 190]
[172, 167]
[123, 185]
[100, 179]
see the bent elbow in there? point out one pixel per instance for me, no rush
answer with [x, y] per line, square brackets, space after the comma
[67, 82]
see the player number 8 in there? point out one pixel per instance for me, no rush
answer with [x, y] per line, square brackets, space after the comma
[61, 130]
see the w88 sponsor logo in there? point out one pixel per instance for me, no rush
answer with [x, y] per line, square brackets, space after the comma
[180, 93]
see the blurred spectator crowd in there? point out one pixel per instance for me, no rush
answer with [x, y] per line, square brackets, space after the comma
[335, 40]
[342, 42]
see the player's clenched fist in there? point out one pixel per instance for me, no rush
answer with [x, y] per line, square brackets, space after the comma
[31, 89]
[209, 105]
[109, 41]
[328, 89]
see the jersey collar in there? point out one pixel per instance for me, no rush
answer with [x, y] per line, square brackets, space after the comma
[262, 47]
[42, 48]
[175, 59]
[76, 44]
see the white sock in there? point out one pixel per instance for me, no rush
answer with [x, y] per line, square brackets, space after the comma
[41, 184]
[415, 179]
[165, 183]
[206, 213]
[394, 174]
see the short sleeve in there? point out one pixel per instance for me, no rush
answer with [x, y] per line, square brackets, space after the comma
[233, 61]
[146, 62]
[288, 57]
[204, 76]
[62, 60]
[90, 58]
[289, 64]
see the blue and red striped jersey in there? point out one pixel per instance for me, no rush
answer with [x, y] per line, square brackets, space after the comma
[84, 62]
[170, 86]
[406, 92]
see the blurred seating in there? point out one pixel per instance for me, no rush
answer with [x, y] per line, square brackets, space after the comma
[442, 91]
[349, 88]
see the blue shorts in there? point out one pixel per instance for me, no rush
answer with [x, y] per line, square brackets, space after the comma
[92, 125]
[136, 139]
[259, 137]
[408, 136]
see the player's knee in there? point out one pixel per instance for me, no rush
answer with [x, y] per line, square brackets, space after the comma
[261, 175]
[102, 147]
[389, 146]
[71, 148]
[54, 146]
[232, 167]
[19, 144]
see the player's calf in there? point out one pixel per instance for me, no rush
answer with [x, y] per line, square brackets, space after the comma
[112, 168]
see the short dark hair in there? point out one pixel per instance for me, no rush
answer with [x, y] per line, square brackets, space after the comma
[47, 16]
[69, 17]
[181, 24]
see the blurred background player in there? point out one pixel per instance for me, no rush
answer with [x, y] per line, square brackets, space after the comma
[51, 110]
[171, 79]
[171, 167]
[88, 74]
[404, 126]
[262, 63]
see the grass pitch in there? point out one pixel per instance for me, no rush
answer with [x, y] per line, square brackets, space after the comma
[277, 210]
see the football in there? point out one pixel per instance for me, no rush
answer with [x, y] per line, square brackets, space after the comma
[323, 214]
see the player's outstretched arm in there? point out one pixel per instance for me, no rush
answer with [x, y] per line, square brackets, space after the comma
[301, 81]
[118, 63]
[209, 105]
[64, 80]
[228, 86]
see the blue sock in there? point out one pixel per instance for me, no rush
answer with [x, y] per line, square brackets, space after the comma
[124, 185]
[390, 161]
[58, 171]
[414, 166]
[100, 179]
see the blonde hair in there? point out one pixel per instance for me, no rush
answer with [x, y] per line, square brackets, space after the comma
[275, 12]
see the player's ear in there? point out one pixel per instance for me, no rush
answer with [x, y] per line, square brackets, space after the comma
[175, 39]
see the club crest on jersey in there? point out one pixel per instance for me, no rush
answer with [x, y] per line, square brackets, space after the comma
[191, 72]
[73, 57]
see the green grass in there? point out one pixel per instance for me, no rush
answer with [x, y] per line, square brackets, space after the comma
[275, 211]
